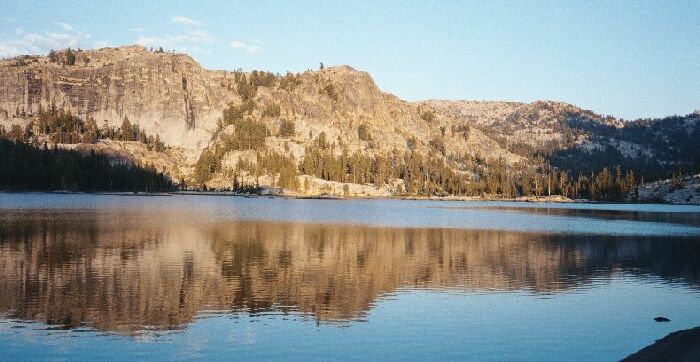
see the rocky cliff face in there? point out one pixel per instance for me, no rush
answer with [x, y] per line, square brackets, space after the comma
[338, 100]
[172, 96]
[167, 94]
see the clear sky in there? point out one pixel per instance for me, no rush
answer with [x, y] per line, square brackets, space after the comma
[625, 58]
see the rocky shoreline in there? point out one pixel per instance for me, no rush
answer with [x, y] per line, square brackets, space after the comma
[289, 195]
[683, 345]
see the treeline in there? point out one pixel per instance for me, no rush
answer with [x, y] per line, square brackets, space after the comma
[581, 161]
[248, 134]
[282, 169]
[64, 57]
[246, 85]
[27, 168]
[428, 176]
[668, 144]
[59, 126]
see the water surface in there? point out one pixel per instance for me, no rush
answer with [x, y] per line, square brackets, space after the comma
[96, 276]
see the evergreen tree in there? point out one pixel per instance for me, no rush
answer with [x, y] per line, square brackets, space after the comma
[25, 167]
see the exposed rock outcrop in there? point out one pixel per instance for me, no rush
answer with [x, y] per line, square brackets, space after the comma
[172, 96]
[684, 190]
[166, 94]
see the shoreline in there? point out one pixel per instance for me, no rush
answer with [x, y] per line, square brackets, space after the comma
[545, 199]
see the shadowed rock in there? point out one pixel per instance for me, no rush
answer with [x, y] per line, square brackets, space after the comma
[678, 346]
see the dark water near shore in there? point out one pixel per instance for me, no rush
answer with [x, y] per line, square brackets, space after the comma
[191, 277]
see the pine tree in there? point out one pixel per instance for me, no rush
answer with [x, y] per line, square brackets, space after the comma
[125, 130]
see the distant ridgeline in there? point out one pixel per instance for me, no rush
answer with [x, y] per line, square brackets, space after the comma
[27, 163]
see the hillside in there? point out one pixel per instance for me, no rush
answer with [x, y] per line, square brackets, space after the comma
[677, 190]
[579, 140]
[327, 131]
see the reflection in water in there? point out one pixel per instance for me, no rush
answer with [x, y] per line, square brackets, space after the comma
[675, 217]
[125, 272]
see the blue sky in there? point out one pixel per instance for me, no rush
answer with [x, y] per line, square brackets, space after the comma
[625, 58]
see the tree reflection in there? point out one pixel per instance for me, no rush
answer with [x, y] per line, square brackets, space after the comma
[125, 272]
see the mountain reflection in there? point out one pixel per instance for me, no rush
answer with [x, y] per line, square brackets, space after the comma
[125, 272]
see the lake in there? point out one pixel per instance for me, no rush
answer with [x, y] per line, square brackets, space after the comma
[85, 277]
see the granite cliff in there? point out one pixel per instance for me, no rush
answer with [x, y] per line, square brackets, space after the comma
[340, 110]
[166, 94]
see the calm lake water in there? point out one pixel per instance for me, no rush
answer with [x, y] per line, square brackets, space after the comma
[84, 277]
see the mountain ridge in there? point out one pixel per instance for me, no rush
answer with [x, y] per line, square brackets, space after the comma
[202, 112]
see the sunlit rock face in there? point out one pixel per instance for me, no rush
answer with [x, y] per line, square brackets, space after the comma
[123, 272]
[167, 94]
[172, 95]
